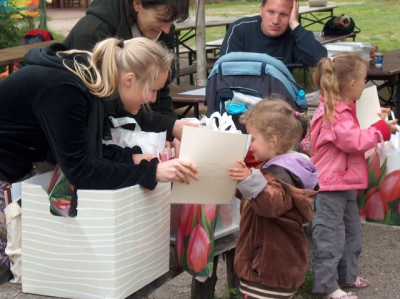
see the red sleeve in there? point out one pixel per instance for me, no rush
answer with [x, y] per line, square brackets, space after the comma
[383, 127]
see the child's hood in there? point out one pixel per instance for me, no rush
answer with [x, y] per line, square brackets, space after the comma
[298, 164]
[47, 57]
[301, 166]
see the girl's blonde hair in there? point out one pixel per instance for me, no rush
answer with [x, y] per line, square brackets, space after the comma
[274, 116]
[100, 70]
[332, 75]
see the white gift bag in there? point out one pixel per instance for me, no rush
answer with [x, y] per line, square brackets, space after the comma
[149, 142]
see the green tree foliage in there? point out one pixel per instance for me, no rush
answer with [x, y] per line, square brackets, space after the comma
[13, 26]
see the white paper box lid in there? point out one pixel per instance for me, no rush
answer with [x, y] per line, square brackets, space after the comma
[342, 48]
[360, 44]
[317, 3]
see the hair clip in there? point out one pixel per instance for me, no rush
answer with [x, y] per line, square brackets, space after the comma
[296, 114]
[331, 58]
[121, 43]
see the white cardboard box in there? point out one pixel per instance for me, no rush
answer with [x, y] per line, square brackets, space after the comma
[334, 48]
[317, 3]
[365, 47]
[118, 243]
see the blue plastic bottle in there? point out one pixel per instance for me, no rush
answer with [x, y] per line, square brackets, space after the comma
[301, 99]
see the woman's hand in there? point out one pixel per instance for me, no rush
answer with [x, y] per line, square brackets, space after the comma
[139, 157]
[241, 173]
[176, 170]
[172, 148]
[178, 128]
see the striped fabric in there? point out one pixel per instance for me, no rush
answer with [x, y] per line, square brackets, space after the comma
[251, 290]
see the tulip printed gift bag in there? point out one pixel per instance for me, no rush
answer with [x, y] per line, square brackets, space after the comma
[194, 244]
[380, 201]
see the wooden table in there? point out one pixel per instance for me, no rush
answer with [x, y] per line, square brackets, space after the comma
[388, 76]
[181, 98]
[308, 16]
[16, 54]
[225, 245]
[326, 39]
[322, 39]
[188, 30]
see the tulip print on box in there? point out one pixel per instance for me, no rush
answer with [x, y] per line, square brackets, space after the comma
[194, 244]
[380, 201]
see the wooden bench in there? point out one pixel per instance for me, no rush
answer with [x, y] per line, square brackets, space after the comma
[181, 98]
[191, 70]
[190, 55]
[16, 54]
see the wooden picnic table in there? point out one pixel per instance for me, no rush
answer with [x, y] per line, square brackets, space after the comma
[225, 245]
[388, 76]
[16, 54]
[310, 15]
[188, 97]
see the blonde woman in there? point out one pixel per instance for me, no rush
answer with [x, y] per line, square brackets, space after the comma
[53, 102]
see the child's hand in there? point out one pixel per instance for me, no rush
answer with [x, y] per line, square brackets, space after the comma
[393, 125]
[385, 112]
[239, 174]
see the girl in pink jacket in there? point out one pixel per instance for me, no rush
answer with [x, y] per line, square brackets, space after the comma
[337, 145]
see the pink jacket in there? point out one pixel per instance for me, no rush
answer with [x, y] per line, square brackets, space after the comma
[339, 147]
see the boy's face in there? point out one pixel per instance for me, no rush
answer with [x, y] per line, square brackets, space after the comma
[275, 15]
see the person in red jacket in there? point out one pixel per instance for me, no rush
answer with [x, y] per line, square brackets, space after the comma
[337, 145]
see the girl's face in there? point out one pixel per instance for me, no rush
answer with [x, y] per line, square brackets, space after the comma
[152, 21]
[133, 95]
[357, 85]
[263, 149]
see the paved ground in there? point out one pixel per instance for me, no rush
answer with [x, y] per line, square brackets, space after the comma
[61, 21]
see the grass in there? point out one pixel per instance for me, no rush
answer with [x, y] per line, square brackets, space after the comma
[305, 291]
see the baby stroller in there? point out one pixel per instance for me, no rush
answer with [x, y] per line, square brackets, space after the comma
[240, 79]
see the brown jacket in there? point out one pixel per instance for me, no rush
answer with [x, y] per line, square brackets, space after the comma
[272, 247]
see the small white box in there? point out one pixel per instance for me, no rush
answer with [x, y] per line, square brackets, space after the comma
[365, 47]
[334, 48]
[117, 244]
[317, 3]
